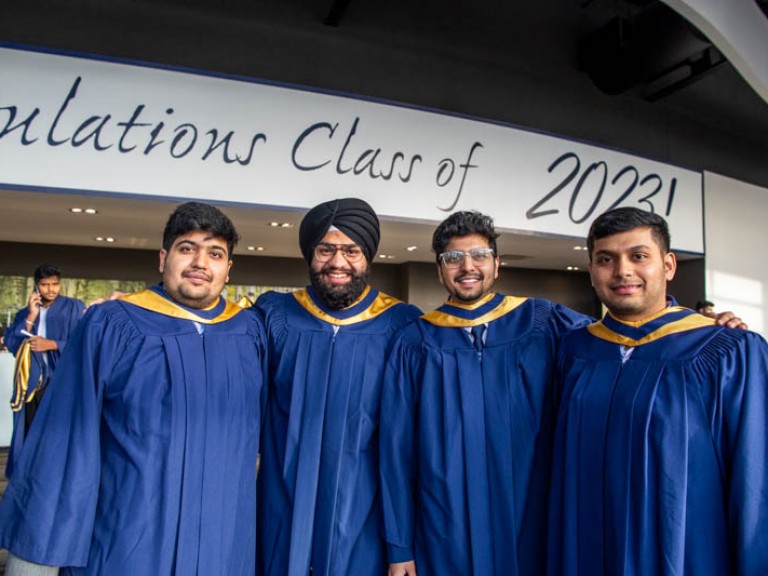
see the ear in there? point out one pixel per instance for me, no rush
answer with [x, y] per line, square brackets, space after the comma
[670, 265]
[162, 255]
[589, 267]
[496, 266]
[440, 274]
[229, 267]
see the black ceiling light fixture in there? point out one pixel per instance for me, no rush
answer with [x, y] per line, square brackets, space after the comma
[336, 13]
[763, 5]
[654, 49]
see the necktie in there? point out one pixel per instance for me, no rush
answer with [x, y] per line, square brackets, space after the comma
[477, 336]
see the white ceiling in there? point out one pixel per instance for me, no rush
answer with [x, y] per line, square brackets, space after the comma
[137, 223]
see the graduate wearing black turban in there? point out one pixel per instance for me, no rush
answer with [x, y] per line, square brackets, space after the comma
[352, 216]
[319, 483]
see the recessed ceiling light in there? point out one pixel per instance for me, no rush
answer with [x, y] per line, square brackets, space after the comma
[579, 247]
[99, 238]
[109, 239]
[259, 248]
[411, 248]
[274, 224]
[76, 210]
[286, 225]
[91, 211]
[572, 268]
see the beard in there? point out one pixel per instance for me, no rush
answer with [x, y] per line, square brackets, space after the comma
[338, 297]
[474, 293]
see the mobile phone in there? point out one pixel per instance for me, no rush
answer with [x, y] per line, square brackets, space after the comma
[37, 291]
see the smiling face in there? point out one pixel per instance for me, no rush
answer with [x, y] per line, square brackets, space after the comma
[630, 272]
[337, 281]
[195, 269]
[469, 282]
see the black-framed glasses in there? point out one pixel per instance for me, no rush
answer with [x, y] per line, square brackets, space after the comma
[325, 252]
[455, 258]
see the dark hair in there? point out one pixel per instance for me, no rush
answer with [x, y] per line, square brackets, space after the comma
[703, 304]
[461, 224]
[46, 271]
[192, 216]
[625, 219]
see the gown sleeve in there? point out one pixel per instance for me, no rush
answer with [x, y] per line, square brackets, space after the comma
[743, 444]
[13, 336]
[47, 513]
[397, 451]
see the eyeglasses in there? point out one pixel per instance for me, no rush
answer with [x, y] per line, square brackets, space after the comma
[325, 252]
[455, 258]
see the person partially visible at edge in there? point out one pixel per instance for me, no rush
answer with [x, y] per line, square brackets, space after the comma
[661, 446]
[37, 337]
[466, 440]
[706, 308]
[143, 461]
[318, 482]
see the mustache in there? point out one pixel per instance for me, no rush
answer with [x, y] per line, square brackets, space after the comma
[196, 273]
[329, 268]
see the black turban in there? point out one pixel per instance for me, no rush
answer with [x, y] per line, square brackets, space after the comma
[352, 216]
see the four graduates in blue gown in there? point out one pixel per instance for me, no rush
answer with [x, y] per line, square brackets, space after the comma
[494, 436]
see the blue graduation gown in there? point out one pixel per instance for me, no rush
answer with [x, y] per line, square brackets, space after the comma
[143, 461]
[661, 462]
[318, 478]
[466, 437]
[61, 318]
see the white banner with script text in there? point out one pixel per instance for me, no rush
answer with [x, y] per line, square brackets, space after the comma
[83, 124]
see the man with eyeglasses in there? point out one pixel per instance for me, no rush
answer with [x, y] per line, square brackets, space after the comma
[466, 440]
[318, 483]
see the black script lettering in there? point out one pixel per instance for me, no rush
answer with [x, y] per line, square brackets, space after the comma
[363, 163]
[397, 156]
[181, 131]
[366, 161]
[153, 141]
[24, 123]
[300, 141]
[70, 96]
[339, 169]
[79, 141]
[128, 126]
[594, 184]
[224, 142]
[407, 177]
[446, 163]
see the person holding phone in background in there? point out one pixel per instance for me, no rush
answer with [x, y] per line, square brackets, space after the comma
[36, 338]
